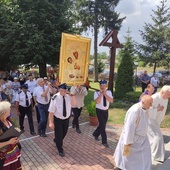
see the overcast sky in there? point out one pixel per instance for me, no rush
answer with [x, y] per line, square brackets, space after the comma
[137, 13]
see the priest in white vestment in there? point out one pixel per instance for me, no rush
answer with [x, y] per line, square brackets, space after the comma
[156, 116]
[133, 149]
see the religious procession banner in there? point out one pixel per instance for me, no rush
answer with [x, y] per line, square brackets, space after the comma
[74, 59]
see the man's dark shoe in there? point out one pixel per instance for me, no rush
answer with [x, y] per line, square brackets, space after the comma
[78, 131]
[43, 135]
[61, 154]
[106, 145]
[73, 126]
[33, 133]
[96, 138]
[39, 132]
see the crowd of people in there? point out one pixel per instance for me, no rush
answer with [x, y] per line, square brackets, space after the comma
[24, 94]
[157, 79]
[41, 95]
[140, 139]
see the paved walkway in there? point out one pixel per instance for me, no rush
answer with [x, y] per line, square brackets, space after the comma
[82, 152]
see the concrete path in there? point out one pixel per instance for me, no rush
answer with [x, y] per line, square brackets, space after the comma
[82, 152]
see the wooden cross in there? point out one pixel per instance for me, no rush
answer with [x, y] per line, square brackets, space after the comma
[112, 45]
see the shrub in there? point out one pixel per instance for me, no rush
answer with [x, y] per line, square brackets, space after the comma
[124, 80]
[120, 104]
[131, 97]
[91, 109]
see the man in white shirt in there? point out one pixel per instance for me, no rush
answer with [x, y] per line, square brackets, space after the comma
[42, 94]
[15, 88]
[31, 83]
[155, 82]
[23, 105]
[59, 113]
[8, 88]
[102, 98]
[156, 116]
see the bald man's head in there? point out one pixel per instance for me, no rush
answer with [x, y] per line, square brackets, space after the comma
[146, 101]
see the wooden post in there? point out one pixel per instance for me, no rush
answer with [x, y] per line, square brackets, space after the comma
[113, 45]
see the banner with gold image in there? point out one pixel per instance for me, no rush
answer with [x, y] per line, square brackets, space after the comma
[74, 59]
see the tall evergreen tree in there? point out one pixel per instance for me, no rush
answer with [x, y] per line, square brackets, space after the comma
[156, 47]
[95, 14]
[124, 80]
[166, 61]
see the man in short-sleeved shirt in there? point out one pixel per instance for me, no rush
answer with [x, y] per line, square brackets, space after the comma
[57, 119]
[102, 111]
[31, 83]
[42, 95]
[24, 108]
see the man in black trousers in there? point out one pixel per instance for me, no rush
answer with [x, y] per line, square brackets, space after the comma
[59, 114]
[102, 98]
[145, 79]
[24, 107]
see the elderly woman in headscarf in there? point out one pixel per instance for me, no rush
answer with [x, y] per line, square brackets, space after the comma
[9, 150]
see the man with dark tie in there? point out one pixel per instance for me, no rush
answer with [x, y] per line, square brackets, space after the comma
[102, 98]
[42, 95]
[24, 107]
[59, 114]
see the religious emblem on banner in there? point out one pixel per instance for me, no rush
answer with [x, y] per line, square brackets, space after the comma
[74, 59]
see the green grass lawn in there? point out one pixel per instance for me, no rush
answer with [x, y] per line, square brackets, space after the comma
[116, 115]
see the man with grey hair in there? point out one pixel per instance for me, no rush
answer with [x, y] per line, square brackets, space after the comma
[42, 95]
[156, 116]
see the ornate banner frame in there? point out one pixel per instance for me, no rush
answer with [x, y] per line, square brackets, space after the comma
[74, 59]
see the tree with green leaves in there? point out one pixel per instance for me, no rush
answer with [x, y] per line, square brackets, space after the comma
[102, 55]
[37, 29]
[131, 50]
[124, 80]
[101, 66]
[95, 14]
[166, 62]
[6, 41]
[46, 20]
[156, 47]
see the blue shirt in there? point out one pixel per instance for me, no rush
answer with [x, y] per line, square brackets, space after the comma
[145, 78]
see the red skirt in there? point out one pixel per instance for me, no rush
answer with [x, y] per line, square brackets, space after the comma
[12, 161]
[13, 166]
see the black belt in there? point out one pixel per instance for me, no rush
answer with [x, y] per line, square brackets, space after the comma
[102, 110]
[43, 104]
[24, 106]
[61, 119]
